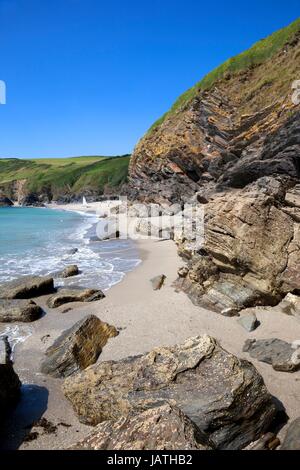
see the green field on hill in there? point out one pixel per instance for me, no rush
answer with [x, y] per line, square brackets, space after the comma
[65, 174]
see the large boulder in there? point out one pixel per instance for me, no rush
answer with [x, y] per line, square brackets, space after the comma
[64, 296]
[70, 271]
[160, 428]
[292, 438]
[78, 347]
[224, 396]
[250, 252]
[13, 310]
[9, 381]
[27, 287]
[283, 356]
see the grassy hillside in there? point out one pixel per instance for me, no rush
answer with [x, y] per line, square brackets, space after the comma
[257, 54]
[65, 175]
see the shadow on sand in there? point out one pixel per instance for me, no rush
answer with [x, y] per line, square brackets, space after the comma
[18, 422]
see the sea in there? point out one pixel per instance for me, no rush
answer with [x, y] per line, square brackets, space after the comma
[42, 241]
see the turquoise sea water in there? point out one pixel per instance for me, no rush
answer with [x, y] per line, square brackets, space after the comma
[42, 241]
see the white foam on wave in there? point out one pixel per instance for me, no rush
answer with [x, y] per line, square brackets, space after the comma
[16, 334]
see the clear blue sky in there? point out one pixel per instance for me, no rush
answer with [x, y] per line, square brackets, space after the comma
[88, 77]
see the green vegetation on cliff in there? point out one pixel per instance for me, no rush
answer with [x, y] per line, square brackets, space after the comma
[261, 51]
[65, 175]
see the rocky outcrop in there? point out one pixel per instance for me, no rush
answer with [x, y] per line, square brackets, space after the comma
[16, 310]
[224, 396]
[249, 253]
[281, 355]
[161, 428]
[27, 287]
[234, 149]
[292, 438]
[9, 381]
[64, 296]
[5, 202]
[78, 347]
[31, 199]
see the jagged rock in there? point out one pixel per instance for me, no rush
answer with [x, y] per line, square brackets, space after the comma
[72, 251]
[78, 347]
[292, 438]
[249, 255]
[158, 281]
[224, 396]
[5, 202]
[160, 428]
[31, 199]
[26, 287]
[9, 381]
[280, 354]
[13, 310]
[248, 321]
[64, 296]
[69, 271]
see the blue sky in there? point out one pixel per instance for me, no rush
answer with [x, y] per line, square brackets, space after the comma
[88, 77]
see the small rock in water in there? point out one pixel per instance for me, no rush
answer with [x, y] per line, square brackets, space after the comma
[70, 271]
[64, 296]
[158, 281]
[248, 322]
[19, 310]
[77, 347]
[72, 251]
[292, 438]
[280, 354]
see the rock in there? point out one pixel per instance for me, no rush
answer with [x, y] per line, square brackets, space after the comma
[26, 287]
[290, 305]
[250, 254]
[72, 251]
[280, 354]
[268, 441]
[78, 347]
[64, 296]
[224, 396]
[163, 427]
[248, 321]
[5, 202]
[9, 381]
[292, 438]
[69, 271]
[158, 281]
[13, 310]
[31, 199]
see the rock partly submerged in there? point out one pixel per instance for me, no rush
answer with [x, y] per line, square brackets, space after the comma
[224, 396]
[9, 381]
[27, 287]
[283, 356]
[64, 296]
[77, 347]
[19, 310]
[163, 427]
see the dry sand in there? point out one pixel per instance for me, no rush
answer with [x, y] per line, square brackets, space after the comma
[146, 319]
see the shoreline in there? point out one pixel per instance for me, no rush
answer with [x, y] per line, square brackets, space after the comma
[145, 319]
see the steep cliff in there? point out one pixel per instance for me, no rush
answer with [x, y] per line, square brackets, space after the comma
[232, 144]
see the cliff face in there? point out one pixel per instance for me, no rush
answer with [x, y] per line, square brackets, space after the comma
[242, 128]
[234, 147]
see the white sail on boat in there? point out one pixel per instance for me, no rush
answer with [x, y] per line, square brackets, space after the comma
[84, 202]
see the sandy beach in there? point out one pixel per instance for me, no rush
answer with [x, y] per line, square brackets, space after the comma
[145, 319]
